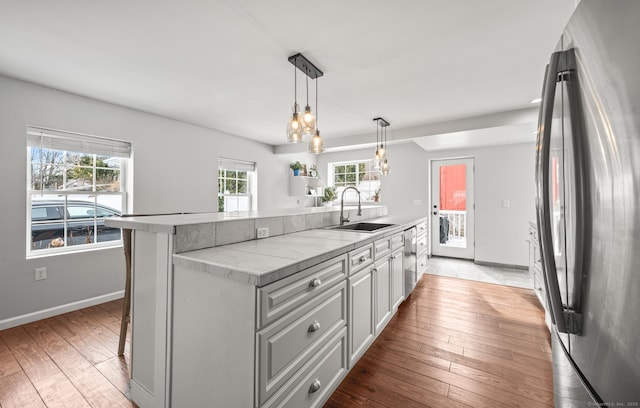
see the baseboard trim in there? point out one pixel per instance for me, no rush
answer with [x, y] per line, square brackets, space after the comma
[140, 395]
[501, 265]
[58, 310]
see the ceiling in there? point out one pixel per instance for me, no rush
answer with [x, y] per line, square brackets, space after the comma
[222, 64]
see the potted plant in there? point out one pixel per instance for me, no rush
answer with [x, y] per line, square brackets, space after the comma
[376, 195]
[329, 195]
[296, 167]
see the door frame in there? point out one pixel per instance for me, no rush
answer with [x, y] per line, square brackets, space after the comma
[435, 248]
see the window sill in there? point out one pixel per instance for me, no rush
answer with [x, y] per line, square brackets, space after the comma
[78, 249]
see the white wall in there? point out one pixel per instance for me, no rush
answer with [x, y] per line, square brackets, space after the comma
[175, 169]
[502, 173]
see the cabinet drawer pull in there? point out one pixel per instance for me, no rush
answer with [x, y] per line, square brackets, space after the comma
[314, 327]
[315, 386]
[362, 258]
[315, 283]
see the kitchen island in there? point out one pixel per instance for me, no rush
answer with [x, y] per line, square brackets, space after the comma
[218, 315]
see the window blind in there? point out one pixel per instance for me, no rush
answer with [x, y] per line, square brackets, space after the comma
[76, 142]
[237, 165]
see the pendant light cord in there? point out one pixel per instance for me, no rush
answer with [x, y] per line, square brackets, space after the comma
[307, 80]
[316, 102]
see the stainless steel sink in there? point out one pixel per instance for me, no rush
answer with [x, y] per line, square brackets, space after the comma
[362, 227]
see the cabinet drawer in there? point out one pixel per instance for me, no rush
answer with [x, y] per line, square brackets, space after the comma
[360, 258]
[287, 344]
[381, 248]
[422, 265]
[281, 297]
[421, 244]
[312, 386]
[397, 241]
[421, 227]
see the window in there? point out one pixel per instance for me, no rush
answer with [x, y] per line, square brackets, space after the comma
[74, 182]
[237, 182]
[358, 174]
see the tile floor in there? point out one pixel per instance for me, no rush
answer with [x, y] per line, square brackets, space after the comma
[465, 269]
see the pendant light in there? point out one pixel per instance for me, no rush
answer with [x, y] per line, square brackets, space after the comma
[308, 120]
[377, 158]
[380, 161]
[302, 124]
[385, 163]
[294, 126]
[316, 145]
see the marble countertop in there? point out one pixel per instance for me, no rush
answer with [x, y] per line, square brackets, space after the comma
[263, 261]
[166, 223]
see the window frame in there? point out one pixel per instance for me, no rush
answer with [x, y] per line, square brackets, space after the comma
[366, 194]
[237, 166]
[64, 197]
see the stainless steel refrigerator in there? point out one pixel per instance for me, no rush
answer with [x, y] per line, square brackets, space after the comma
[588, 205]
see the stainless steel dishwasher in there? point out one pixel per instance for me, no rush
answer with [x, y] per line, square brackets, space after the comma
[410, 260]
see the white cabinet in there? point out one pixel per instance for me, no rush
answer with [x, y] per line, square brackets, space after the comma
[360, 327]
[382, 294]
[305, 186]
[422, 249]
[272, 346]
[397, 278]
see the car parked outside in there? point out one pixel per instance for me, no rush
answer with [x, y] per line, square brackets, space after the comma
[84, 220]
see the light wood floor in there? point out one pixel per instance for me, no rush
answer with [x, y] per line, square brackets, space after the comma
[456, 343]
[453, 343]
[66, 361]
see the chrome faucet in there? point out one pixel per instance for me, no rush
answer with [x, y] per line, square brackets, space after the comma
[342, 219]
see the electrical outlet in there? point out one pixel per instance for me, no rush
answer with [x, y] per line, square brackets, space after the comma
[417, 202]
[505, 203]
[41, 273]
[262, 232]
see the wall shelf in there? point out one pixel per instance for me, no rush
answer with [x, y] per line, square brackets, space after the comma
[304, 186]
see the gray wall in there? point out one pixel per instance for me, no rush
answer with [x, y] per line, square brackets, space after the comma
[502, 173]
[175, 169]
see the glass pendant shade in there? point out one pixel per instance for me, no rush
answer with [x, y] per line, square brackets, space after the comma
[385, 166]
[294, 127]
[377, 160]
[308, 122]
[316, 145]
[381, 151]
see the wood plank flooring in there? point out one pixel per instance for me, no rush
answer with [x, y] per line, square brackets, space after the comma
[66, 361]
[453, 343]
[456, 343]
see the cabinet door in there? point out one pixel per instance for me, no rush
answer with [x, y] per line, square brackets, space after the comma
[360, 314]
[382, 282]
[397, 278]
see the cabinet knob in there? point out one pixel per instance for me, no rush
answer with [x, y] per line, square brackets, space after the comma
[315, 386]
[314, 327]
[362, 258]
[315, 283]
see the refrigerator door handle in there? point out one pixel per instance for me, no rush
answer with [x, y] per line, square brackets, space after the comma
[543, 145]
[568, 65]
[561, 67]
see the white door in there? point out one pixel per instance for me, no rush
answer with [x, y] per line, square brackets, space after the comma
[452, 208]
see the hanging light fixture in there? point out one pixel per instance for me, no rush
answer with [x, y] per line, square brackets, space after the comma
[385, 163]
[316, 145]
[377, 158]
[306, 122]
[294, 126]
[380, 161]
